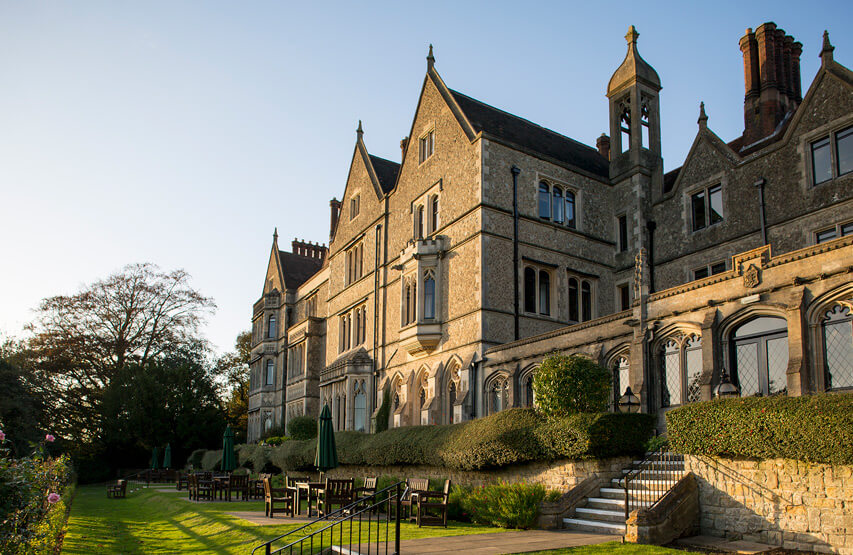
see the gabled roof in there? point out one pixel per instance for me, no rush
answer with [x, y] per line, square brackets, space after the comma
[521, 132]
[297, 269]
[386, 171]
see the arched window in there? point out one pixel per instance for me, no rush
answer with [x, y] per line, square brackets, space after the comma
[529, 289]
[557, 205]
[570, 210]
[451, 401]
[429, 295]
[681, 369]
[526, 382]
[270, 375]
[837, 328]
[267, 422]
[498, 395]
[573, 300]
[544, 292]
[271, 331]
[621, 368]
[586, 301]
[760, 356]
[359, 407]
[544, 201]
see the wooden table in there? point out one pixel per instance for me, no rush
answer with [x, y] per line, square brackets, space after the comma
[222, 484]
[311, 490]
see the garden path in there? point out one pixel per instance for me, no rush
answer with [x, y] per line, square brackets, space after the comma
[497, 544]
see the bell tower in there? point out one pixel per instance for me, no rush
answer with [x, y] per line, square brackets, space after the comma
[634, 115]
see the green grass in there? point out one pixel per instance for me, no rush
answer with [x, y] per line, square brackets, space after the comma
[611, 547]
[149, 521]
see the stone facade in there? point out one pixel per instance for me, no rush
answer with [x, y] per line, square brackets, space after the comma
[793, 504]
[494, 242]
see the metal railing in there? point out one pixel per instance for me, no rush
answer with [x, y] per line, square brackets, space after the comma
[654, 476]
[368, 526]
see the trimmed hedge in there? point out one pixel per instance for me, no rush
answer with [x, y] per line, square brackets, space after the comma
[302, 427]
[813, 428]
[514, 436]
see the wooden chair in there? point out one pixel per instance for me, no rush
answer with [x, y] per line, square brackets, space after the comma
[290, 483]
[204, 489]
[117, 490]
[367, 489]
[409, 498]
[336, 492]
[256, 487]
[181, 481]
[277, 496]
[432, 506]
[239, 483]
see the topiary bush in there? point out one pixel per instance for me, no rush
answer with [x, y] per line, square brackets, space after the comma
[813, 428]
[302, 427]
[384, 412]
[571, 384]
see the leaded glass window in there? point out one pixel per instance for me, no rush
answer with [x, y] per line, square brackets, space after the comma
[760, 356]
[837, 327]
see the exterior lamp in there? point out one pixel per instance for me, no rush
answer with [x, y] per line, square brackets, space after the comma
[726, 389]
[629, 402]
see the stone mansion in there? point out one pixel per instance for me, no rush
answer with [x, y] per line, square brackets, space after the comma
[451, 275]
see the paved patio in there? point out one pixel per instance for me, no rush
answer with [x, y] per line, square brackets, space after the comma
[502, 543]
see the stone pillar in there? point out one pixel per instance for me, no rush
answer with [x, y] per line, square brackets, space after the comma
[798, 360]
[709, 355]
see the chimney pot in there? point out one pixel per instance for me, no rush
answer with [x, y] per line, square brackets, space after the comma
[603, 145]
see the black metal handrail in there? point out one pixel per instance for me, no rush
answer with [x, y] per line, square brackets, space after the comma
[356, 514]
[655, 475]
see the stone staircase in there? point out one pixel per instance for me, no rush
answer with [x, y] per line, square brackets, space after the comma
[604, 512]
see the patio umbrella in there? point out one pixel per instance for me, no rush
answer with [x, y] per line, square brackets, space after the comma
[229, 461]
[327, 454]
[154, 458]
[167, 457]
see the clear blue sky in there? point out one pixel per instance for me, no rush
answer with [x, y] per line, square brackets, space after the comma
[181, 133]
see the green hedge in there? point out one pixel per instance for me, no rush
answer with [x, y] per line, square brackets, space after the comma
[814, 428]
[302, 427]
[514, 436]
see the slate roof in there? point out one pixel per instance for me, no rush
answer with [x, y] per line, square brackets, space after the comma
[521, 132]
[669, 179]
[386, 171]
[297, 269]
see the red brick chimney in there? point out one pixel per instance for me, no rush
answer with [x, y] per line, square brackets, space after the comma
[603, 145]
[771, 67]
[335, 206]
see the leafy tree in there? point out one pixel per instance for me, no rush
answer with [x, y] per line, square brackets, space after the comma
[21, 407]
[81, 341]
[232, 369]
[571, 384]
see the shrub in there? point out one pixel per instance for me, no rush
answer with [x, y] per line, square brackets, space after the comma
[194, 460]
[571, 384]
[302, 428]
[276, 440]
[275, 431]
[384, 412]
[813, 428]
[211, 460]
[502, 504]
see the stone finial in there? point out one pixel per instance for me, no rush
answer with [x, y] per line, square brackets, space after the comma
[275, 235]
[359, 131]
[632, 35]
[703, 117]
[430, 58]
[826, 51]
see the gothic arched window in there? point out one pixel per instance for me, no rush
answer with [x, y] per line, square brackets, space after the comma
[498, 395]
[837, 328]
[760, 356]
[681, 368]
[621, 368]
[359, 407]
[429, 295]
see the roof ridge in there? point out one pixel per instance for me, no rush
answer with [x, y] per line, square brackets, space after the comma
[592, 149]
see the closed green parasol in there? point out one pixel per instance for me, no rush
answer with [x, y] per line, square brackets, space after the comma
[327, 453]
[167, 457]
[154, 458]
[229, 460]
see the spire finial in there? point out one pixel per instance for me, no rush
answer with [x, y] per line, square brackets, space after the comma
[359, 131]
[826, 51]
[632, 35]
[703, 117]
[275, 235]
[430, 58]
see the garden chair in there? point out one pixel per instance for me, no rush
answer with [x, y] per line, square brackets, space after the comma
[277, 496]
[367, 489]
[256, 487]
[181, 481]
[191, 486]
[204, 489]
[337, 491]
[117, 490]
[409, 497]
[292, 483]
[239, 483]
[432, 506]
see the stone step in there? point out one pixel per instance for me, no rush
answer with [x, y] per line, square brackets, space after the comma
[583, 525]
[668, 462]
[648, 483]
[613, 504]
[601, 514]
[656, 471]
[612, 493]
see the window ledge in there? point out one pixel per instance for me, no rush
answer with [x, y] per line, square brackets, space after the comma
[420, 338]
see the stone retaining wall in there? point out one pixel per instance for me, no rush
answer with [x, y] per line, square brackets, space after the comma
[782, 502]
[560, 475]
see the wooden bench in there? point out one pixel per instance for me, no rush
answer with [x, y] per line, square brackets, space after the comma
[117, 490]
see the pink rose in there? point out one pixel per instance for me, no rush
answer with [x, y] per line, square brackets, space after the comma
[2, 436]
[49, 438]
[53, 498]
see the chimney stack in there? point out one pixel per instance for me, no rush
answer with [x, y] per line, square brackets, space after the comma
[335, 207]
[603, 145]
[771, 68]
[404, 142]
[309, 249]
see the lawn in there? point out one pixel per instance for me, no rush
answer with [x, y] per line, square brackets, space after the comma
[150, 521]
[612, 547]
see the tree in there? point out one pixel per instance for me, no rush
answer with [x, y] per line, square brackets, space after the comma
[21, 407]
[81, 341]
[571, 384]
[233, 371]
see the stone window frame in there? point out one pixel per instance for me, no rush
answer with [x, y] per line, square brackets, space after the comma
[581, 278]
[272, 327]
[352, 327]
[708, 268]
[269, 371]
[623, 285]
[500, 379]
[426, 144]
[354, 206]
[552, 282]
[623, 352]
[620, 246]
[830, 129]
[429, 225]
[525, 377]
[815, 314]
[296, 360]
[452, 378]
[354, 263]
[565, 188]
[721, 179]
[841, 229]
[682, 338]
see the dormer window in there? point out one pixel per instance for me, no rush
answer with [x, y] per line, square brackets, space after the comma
[427, 146]
[354, 206]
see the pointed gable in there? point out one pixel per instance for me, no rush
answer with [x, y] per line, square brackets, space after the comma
[386, 171]
[297, 269]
